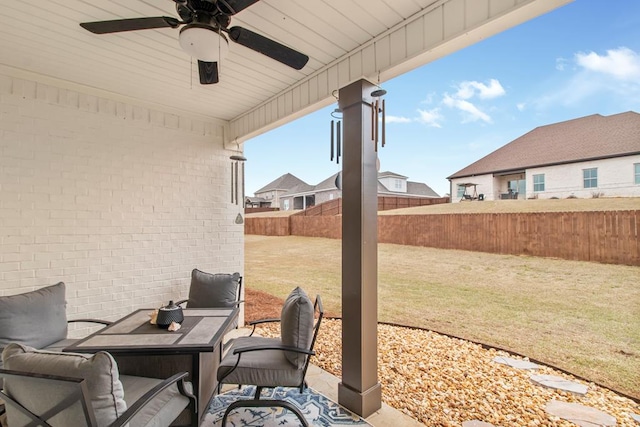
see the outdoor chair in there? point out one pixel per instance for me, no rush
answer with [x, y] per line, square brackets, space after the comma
[209, 290]
[54, 389]
[275, 362]
[37, 319]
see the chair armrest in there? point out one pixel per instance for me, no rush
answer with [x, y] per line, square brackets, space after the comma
[132, 410]
[102, 322]
[273, 347]
[259, 322]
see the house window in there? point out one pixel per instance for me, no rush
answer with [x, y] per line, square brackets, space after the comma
[461, 191]
[636, 171]
[398, 184]
[538, 182]
[285, 204]
[590, 177]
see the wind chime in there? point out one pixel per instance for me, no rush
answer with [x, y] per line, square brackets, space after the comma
[377, 109]
[378, 124]
[237, 171]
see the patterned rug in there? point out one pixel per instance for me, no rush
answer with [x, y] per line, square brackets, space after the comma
[317, 409]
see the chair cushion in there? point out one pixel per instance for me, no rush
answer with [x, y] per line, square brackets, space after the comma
[36, 319]
[99, 370]
[163, 409]
[296, 325]
[267, 368]
[213, 290]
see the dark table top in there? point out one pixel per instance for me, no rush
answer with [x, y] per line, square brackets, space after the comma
[202, 329]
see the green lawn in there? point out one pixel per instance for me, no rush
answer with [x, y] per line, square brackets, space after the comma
[579, 316]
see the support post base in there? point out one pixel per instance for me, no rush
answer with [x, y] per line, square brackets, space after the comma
[362, 403]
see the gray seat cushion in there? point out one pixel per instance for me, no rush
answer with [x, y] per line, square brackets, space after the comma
[213, 290]
[99, 370]
[267, 368]
[36, 319]
[162, 410]
[296, 325]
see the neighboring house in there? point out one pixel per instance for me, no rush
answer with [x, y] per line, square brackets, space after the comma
[256, 202]
[303, 195]
[270, 194]
[591, 156]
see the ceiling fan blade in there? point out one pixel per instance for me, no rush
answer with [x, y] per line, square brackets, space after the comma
[232, 7]
[208, 72]
[268, 47]
[119, 25]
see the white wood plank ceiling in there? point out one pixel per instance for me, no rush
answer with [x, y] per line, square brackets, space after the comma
[345, 40]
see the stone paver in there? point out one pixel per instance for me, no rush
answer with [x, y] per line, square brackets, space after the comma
[581, 415]
[516, 363]
[476, 423]
[559, 383]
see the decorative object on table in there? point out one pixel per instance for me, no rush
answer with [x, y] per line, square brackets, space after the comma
[168, 314]
[174, 327]
[153, 317]
[318, 409]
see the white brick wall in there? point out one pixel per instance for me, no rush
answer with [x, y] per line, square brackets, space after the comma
[119, 201]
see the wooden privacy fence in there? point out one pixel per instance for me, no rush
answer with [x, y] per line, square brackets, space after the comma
[385, 203]
[611, 237]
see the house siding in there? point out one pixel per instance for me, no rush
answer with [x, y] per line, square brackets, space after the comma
[118, 201]
[615, 179]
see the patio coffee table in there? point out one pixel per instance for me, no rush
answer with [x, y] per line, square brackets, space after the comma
[143, 349]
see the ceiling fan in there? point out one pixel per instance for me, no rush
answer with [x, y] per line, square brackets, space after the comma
[205, 34]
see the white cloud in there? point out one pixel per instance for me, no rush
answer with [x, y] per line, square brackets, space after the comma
[612, 78]
[471, 112]
[560, 64]
[469, 89]
[622, 63]
[430, 117]
[521, 106]
[397, 119]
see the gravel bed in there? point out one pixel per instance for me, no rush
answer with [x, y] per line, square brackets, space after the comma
[444, 381]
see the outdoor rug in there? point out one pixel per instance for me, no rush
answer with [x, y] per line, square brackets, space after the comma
[316, 408]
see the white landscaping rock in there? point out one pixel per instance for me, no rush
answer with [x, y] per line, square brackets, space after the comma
[581, 415]
[476, 423]
[559, 383]
[516, 363]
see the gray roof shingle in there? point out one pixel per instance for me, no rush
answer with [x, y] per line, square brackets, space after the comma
[285, 182]
[585, 138]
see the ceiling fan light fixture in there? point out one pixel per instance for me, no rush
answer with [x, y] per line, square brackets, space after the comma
[203, 42]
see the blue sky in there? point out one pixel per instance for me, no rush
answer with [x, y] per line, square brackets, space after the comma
[581, 59]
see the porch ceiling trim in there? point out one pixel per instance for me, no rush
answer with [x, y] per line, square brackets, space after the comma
[436, 31]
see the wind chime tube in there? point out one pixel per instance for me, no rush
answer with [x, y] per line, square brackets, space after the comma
[332, 140]
[377, 125]
[232, 183]
[384, 120]
[373, 120]
[243, 196]
[338, 142]
[236, 187]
